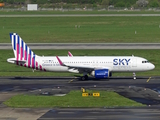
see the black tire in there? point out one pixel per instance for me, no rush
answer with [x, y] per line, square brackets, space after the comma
[84, 78]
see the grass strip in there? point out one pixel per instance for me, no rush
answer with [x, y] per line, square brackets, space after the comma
[73, 99]
[82, 29]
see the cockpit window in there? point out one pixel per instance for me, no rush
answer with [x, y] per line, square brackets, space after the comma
[145, 61]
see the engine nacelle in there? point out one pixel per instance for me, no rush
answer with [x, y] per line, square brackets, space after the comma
[101, 73]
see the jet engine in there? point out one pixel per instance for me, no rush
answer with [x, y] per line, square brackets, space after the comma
[101, 73]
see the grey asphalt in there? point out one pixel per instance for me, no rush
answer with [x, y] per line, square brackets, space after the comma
[87, 45]
[141, 90]
[147, 113]
[80, 15]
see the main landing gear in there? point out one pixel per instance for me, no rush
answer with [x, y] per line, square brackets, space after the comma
[85, 77]
[134, 76]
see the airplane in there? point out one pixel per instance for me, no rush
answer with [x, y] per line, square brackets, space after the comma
[100, 67]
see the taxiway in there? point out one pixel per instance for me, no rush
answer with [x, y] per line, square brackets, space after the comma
[143, 89]
[86, 46]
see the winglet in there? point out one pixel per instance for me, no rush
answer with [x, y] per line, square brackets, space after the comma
[70, 54]
[60, 62]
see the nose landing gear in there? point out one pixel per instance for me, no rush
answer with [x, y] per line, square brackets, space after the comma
[134, 76]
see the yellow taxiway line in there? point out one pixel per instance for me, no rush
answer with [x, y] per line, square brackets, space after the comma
[148, 79]
[72, 80]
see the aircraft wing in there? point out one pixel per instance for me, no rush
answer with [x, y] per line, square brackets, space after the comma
[79, 68]
[82, 69]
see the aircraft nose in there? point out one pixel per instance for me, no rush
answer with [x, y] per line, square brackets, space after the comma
[152, 66]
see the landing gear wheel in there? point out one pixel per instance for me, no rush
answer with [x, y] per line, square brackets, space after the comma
[134, 76]
[84, 77]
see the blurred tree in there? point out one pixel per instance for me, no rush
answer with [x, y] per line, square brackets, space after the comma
[33, 1]
[114, 2]
[105, 3]
[94, 5]
[154, 3]
[10, 1]
[42, 1]
[142, 3]
[120, 4]
[128, 5]
[27, 1]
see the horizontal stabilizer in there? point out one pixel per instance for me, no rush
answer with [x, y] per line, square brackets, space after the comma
[13, 60]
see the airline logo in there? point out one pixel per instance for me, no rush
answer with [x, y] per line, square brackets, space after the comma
[23, 53]
[120, 61]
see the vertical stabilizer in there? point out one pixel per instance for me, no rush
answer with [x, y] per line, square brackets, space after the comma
[21, 51]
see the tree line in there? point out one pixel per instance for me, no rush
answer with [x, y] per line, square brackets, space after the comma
[116, 3]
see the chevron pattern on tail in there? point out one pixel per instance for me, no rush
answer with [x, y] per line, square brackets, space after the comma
[22, 51]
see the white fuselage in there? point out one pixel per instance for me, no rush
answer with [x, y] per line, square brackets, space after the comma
[113, 63]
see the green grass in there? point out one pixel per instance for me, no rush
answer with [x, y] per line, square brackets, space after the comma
[8, 69]
[73, 99]
[92, 29]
